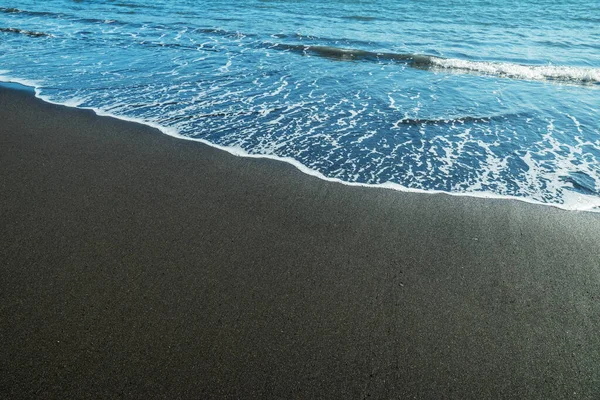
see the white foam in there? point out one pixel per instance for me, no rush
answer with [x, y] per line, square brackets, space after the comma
[74, 102]
[573, 201]
[528, 72]
[225, 68]
[20, 81]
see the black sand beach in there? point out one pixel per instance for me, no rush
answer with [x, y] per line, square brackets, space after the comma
[135, 265]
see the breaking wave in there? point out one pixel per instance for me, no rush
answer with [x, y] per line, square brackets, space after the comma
[580, 75]
[519, 71]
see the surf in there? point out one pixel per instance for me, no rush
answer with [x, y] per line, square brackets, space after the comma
[567, 74]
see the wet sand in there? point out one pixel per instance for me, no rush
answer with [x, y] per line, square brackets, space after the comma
[136, 265]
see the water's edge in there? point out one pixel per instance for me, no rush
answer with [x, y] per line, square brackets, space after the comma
[35, 88]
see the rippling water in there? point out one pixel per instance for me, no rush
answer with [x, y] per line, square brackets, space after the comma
[473, 96]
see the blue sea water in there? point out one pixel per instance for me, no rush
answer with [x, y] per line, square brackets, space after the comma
[477, 97]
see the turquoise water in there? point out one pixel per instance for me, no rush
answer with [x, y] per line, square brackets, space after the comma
[469, 97]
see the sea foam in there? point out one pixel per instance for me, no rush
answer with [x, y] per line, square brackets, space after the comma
[529, 72]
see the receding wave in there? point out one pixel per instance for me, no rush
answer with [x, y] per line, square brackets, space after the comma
[581, 75]
[24, 32]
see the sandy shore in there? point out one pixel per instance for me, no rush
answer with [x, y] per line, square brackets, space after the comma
[136, 265]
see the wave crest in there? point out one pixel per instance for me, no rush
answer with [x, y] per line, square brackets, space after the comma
[579, 75]
[520, 71]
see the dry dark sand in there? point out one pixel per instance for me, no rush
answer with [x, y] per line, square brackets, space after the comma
[136, 265]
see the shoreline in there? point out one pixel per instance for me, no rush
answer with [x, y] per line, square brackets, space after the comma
[142, 266]
[592, 203]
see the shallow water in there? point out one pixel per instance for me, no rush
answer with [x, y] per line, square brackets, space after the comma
[476, 97]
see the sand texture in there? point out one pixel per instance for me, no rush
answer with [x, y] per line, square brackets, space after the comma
[135, 265]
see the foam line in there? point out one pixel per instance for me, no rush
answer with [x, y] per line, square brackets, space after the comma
[576, 201]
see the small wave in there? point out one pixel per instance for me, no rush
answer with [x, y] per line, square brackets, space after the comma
[519, 71]
[340, 54]
[24, 32]
[581, 75]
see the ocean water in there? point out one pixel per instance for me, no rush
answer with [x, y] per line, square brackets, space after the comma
[474, 97]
